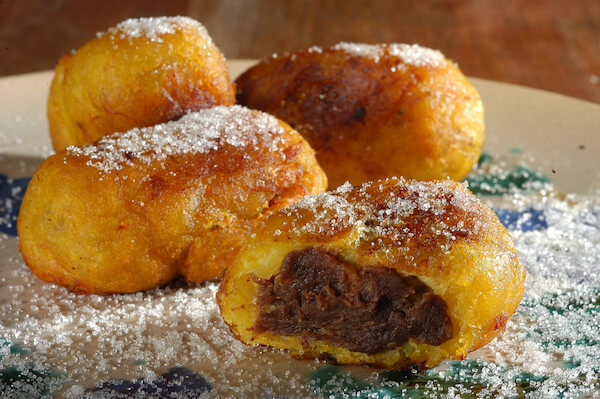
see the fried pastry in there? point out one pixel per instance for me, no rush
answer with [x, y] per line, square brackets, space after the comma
[136, 209]
[373, 111]
[392, 273]
[139, 73]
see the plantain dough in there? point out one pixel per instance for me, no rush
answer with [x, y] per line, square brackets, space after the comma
[136, 209]
[139, 73]
[393, 273]
[373, 111]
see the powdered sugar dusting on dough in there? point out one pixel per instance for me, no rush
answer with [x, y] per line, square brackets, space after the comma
[416, 55]
[391, 212]
[411, 54]
[373, 51]
[196, 133]
[153, 28]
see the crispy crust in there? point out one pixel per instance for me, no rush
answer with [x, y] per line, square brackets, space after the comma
[435, 231]
[372, 117]
[122, 80]
[103, 227]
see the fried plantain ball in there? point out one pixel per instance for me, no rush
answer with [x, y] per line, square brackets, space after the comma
[373, 111]
[136, 209]
[392, 273]
[139, 73]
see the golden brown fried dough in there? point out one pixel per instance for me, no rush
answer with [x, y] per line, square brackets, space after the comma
[392, 273]
[135, 209]
[140, 73]
[373, 111]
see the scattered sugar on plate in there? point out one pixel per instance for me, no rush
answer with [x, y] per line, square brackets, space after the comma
[550, 349]
[88, 339]
[554, 337]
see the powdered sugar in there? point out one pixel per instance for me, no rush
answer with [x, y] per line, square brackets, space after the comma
[549, 349]
[330, 213]
[554, 335]
[196, 133]
[416, 55]
[153, 28]
[86, 339]
[389, 213]
[411, 54]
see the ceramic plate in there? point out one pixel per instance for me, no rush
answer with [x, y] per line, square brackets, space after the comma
[540, 171]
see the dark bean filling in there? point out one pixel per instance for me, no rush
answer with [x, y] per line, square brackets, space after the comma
[317, 296]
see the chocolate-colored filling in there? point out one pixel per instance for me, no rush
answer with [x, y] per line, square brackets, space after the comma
[319, 297]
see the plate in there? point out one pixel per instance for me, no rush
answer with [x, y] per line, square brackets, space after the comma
[541, 173]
